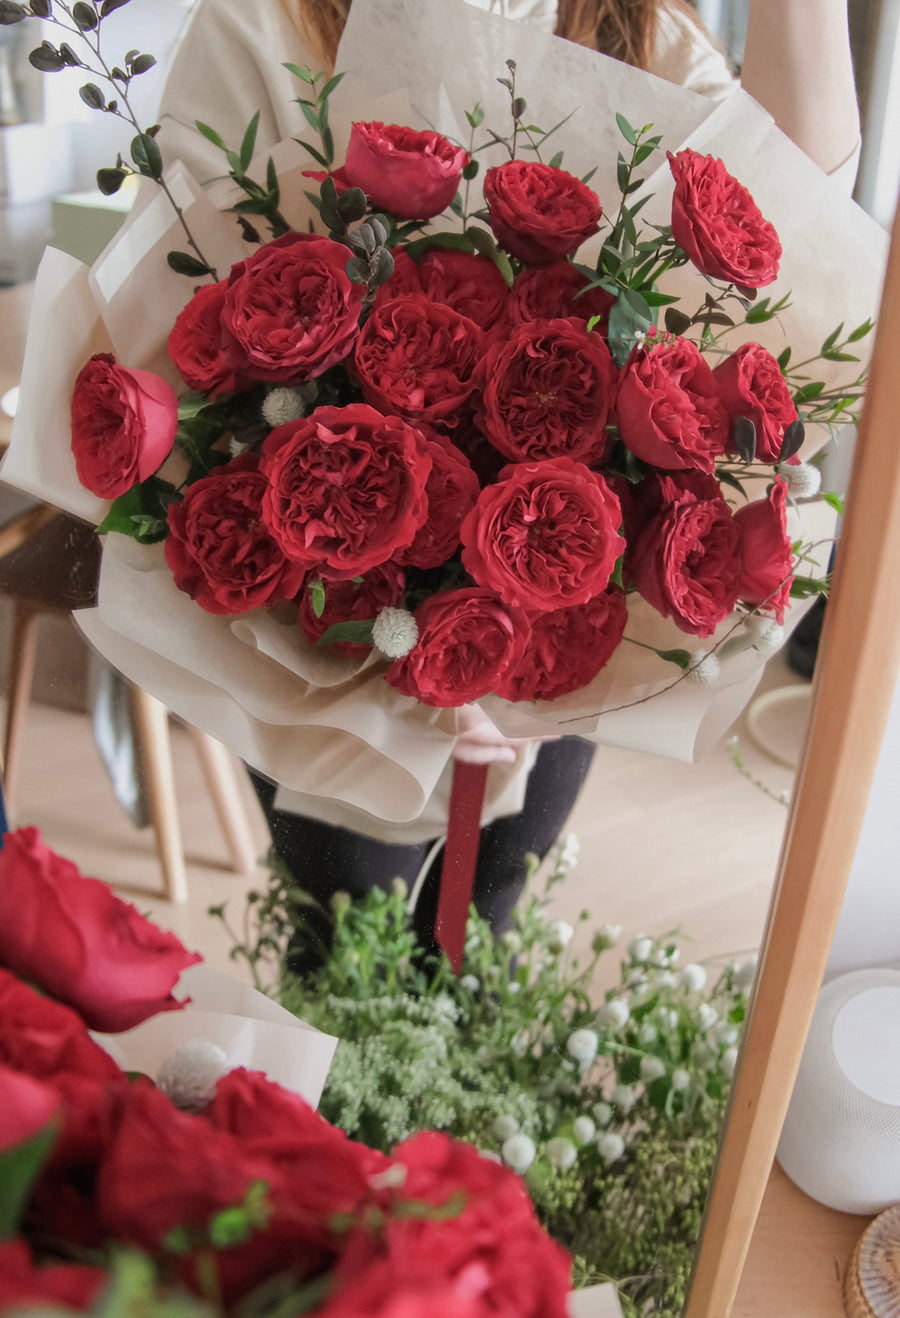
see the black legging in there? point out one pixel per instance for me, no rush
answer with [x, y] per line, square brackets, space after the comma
[325, 859]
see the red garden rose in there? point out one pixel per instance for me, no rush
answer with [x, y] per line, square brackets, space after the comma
[452, 491]
[751, 385]
[346, 488]
[467, 641]
[123, 425]
[470, 284]
[79, 942]
[25, 1285]
[291, 310]
[719, 225]
[546, 392]
[767, 555]
[550, 292]
[545, 536]
[539, 213]
[386, 1289]
[198, 346]
[220, 550]
[568, 648]
[688, 561]
[417, 358]
[382, 587]
[28, 1107]
[414, 175]
[669, 410]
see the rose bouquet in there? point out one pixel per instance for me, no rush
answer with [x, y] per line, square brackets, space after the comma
[438, 449]
[213, 1191]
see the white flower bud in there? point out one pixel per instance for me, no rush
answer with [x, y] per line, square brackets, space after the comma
[519, 1044]
[665, 979]
[648, 1034]
[610, 1147]
[729, 1060]
[726, 1034]
[561, 1152]
[395, 632]
[660, 958]
[606, 936]
[471, 983]
[767, 634]
[804, 480]
[513, 987]
[613, 1014]
[651, 1069]
[190, 1073]
[559, 936]
[569, 854]
[706, 1016]
[399, 887]
[681, 1079]
[703, 668]
[504, 1127]
[640, 948]
[282, 405]
[745, 975]
[511, 942]
[583, 1045]
[603, 1112]
[693, 978]
[624, 1097]
[518, 1153]
[583, 1129]
[668, 1018]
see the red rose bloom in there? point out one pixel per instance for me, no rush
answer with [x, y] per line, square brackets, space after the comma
[452, 491]
[412, 175]
[688, 561]
[350, 601]
[751, 384]
[669, 410]
[539, 213]
[123, 425]
[346, 488]
[291, 309]
[220, 550]
[545, 536]
[719, 225]
[28, 1107]
[550, 292]
[199, 347]
[417, 359]
[79, 942]
[768, 560]
[25, 1286]
[471, 285]
[385, 1289]
[568, 648]
[467, 640]
[547, 391]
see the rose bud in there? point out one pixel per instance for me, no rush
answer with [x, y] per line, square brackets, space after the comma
[413, 175]
[719, 225]
[123, 425]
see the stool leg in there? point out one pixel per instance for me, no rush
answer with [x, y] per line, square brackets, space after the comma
[217, 764]
[152, 726]
[21, 673]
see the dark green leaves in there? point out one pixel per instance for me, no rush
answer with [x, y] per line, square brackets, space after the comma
[358, 632]
[91, 94]
[11, 13]
[110, 180]
[629, 317]
[19, 1169]
[141, 512]
[184, 264]
[47, 58]
[743, 435]
[109, 6]
[85, 16]
[793, 439]
[147, 156]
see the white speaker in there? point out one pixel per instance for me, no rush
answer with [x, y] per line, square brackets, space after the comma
[841, 1139]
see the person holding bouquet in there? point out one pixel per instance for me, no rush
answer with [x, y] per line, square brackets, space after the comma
[797, 65]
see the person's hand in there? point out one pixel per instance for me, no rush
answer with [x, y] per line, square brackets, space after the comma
[479, 742]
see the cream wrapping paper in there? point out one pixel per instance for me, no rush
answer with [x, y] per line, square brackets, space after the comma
[340, 742]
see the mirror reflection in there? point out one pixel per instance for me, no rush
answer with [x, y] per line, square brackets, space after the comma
[669, 856]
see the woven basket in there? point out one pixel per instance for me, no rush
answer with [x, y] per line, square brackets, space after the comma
[872, 1283]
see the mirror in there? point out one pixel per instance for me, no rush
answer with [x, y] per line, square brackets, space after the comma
[628, 873]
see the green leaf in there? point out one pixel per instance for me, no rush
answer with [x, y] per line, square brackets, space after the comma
[676, 321]
[475, 116]
[211, 134]
[833, 356]
[128, 514]
[623, 173]
[147, 156]
[185, 264]
[12, 13]
[626, 129]
[808, 392]
[471, 169]
[556, 161]
[310, 114]
[20, 1167]
[832, 339]
[143, 64]
[317, 589]
[248, 143]
[359, 632]
[109, 6]
[834, 501]
[85, 16]
[784, 358]
[316, 155]
[861, 331]
[91, 94]
[110, 180]
[680, 657]
[330, 86]
[303, 74]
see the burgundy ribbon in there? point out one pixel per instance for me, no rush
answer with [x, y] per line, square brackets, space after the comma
[460, 855]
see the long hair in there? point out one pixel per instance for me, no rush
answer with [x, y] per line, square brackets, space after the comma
[624, 29]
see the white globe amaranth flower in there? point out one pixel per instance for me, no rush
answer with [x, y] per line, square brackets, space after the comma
[471, 983]
[624, 1097]
[519, 1152]
[190, 1073]
[603, 1112]
[681, 1079]
[745, 975]
[282, 405]
[583, 1045]
[504, 1127]
[561, 1152]
[704, 668]
[640, 948]
[648, 1034]
[584, 1129]
[729, 1061]
[613, 1014]
[693, 977]
[610, 1147]
[559, 936]
[766, 634]
[804, 480]
[394, 633]
[651, 1069]
[706, 1016]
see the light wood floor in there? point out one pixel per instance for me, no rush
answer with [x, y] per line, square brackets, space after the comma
[662, 846]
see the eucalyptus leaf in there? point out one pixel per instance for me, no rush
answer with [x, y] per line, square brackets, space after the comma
[147, 156]
[185, 264]
[109, 6]
[12, 13]
[680, 657]
[46, 58]
[110, 180]
[793, 439]
[84, 16]
[143, 63]
[743, 437]
[91, 94]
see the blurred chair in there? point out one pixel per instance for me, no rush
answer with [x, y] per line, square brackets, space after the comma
[49, 563]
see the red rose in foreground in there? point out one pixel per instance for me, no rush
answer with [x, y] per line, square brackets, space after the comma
[382, 587]
[568, 648]
[219, 549]
[346, 488]
[547, 390]
[467, 641]
[545, 536]
[385, 1289]
[417, 359]
[539, 213]
[123, 425]
[470, 284]
[80, 943]
[551, 292]
[719, 225]
[452, 491]
[751, 385]
[26, 1286]
[768, 559]
[414, 175]
[198, 346]
[28, 1107]
[291, 309]
[688, 561]
[669, 410]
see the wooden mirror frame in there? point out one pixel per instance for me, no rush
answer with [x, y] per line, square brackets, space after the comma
[856, 675]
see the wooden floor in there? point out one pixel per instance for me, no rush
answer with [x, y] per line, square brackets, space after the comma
[662, 846]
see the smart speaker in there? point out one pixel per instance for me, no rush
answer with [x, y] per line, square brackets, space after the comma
[841, 1138]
